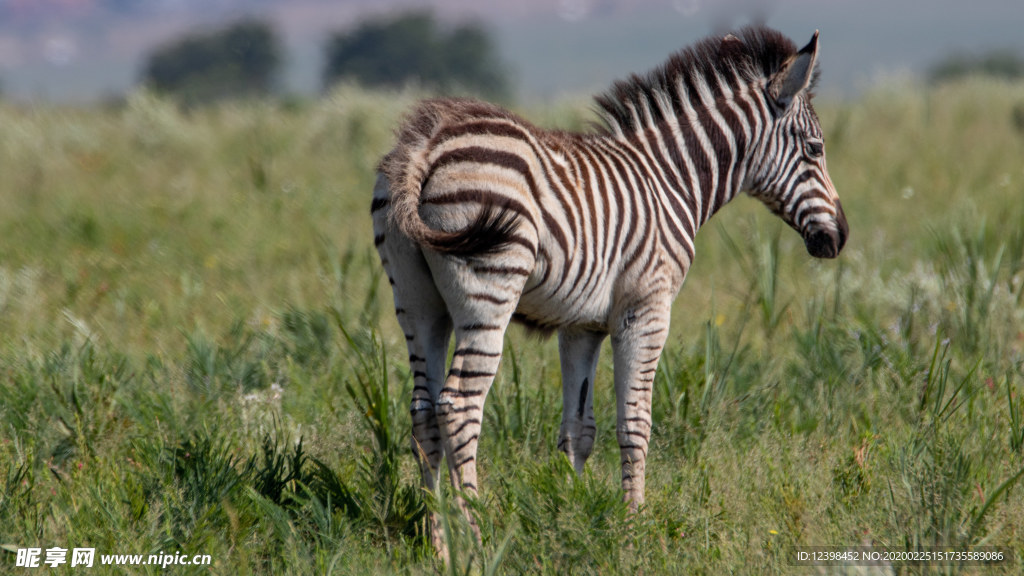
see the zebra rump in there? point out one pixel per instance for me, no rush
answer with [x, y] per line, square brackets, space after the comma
[408, 170]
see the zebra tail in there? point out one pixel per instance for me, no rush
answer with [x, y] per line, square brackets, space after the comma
[407, 166]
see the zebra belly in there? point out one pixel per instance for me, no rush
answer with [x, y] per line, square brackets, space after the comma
[550, 302]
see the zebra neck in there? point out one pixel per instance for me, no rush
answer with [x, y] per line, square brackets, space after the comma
[699, 160]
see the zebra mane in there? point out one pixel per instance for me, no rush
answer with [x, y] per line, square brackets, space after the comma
[753, 53]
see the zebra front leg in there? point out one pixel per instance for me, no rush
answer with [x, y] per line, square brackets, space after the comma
[578, 351]
[636, 345]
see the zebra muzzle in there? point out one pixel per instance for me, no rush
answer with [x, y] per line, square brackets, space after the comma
[825, 242]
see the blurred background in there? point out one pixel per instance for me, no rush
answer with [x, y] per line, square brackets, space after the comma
[93, 51]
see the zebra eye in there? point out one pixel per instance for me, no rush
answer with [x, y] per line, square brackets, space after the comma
[814, 149]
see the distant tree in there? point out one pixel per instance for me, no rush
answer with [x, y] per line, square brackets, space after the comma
[412, 48]
[998, 64]
[238, 61]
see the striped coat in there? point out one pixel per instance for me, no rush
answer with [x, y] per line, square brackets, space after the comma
[482, 218]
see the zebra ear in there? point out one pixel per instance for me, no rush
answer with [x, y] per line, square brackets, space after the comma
[796, 74]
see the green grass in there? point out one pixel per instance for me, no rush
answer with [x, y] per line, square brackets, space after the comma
[198, 355]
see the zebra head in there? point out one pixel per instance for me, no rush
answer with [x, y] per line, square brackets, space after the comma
[791, 178]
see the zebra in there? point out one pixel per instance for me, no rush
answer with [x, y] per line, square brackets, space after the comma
[481, 218]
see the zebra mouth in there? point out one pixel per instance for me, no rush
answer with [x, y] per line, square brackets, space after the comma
[825, 242]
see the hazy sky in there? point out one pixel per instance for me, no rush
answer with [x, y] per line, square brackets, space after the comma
[862, 41]
[67, 50]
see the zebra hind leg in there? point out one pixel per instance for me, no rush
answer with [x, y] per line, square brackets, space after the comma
[427, 354]
[460, 407]
[578, 351]
[423, 317]
[481, 303]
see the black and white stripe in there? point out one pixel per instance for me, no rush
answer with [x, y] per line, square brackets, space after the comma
[481, 218]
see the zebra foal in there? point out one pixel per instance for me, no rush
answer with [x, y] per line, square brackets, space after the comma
[481, 218]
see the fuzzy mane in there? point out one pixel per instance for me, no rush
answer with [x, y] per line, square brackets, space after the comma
[754, 53]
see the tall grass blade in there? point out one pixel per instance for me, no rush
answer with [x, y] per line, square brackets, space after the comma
[991, 501]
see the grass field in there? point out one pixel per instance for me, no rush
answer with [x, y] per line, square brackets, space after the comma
[198, 355]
